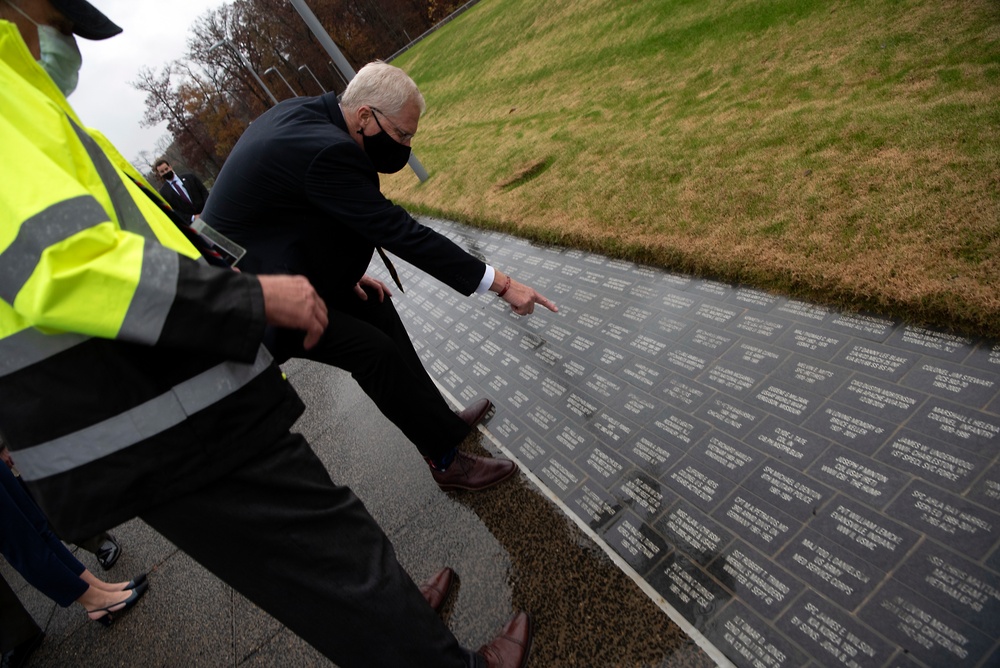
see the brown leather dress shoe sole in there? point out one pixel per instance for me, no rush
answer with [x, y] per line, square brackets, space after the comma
[511, 647]
[474, 413]
[436, 589]
[473, 473]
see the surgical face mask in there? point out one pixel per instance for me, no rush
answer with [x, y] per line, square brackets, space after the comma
[167, 176]
[61, 58]
[387, 154]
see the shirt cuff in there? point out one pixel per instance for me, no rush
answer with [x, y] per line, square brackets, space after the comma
[484, 285]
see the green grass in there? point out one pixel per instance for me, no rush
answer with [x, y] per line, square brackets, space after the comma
[845, 152]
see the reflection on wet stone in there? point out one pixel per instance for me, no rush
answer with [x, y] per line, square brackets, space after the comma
[688, 589]
[804, 486]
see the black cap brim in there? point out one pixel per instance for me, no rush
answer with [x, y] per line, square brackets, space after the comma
[88, 22]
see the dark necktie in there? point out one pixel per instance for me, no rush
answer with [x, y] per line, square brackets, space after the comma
[392, 269]
[180, 191]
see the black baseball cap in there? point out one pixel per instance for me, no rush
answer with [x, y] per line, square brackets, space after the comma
[88, 22]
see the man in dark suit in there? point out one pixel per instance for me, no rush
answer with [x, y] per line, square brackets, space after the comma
[185, 193]
[300, 192]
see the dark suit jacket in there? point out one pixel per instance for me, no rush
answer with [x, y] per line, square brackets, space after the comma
[303, 198]
[196, 191]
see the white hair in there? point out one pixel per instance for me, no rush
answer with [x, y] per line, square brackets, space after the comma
[382, 86]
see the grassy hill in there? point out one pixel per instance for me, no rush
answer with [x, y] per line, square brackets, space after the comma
[847, 152]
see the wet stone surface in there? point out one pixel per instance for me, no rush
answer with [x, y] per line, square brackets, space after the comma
[802, 485]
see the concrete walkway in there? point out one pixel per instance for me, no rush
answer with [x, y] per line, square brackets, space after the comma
[510, 546]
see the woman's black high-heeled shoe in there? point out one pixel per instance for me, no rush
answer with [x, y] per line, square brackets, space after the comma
[105, 620]
[135, 582]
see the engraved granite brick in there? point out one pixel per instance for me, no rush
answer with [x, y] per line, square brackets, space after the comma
[639, 407]
[635, 541]
[927, 632]
[951, 581]
[756, 356]
[967, 428]
[986, 491]
[684, 360]
[879, 398]
[788, 401]
[611, 428]
[714, 289]
[678, 303]
[794, 492]
[644, 495]
[730, 415]
[580, 406]
[753, 299]
[732, 379]
[757, 522]
[961, 524]
[693, 532]
[668, 326]
[560, 475]
[958, 383]
[688, 589]
[531, 450]
[811, 375]
[651, 454]
[833, 636]
[603, 464]
[858, 475]
[593, 505]
[677, 428]
[610, 358]
[765, 328]
[571, 439]
[875, 360]
[863, 326]
[934, 461]
[787, 442]
[699, 484]
[716, 314]
[708, 341]
[876, 538]
[642, 374]
[755, 579]
[749, 642]
[826, 567]
[812, 341]
[683, 393]
[726, 455]
[935, 343]
[848, 426]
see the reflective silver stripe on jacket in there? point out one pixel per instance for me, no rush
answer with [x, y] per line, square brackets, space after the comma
[140, 423]
[30, 346]
[56, 223]
[153, 296]
[130, 218]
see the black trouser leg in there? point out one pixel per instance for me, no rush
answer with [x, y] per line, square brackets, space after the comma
[306, 550]
[368, 339]
[17, 626]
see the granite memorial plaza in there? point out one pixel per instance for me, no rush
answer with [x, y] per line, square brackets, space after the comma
[791, 485]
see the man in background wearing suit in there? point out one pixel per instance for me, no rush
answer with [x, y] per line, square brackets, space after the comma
[185, 193]
[300, 192]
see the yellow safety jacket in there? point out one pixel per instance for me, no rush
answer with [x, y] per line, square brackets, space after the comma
[130, 370]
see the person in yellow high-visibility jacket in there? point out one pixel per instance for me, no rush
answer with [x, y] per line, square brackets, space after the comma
[133, 382]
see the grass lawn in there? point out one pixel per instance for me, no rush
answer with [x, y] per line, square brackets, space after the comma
[845, 152]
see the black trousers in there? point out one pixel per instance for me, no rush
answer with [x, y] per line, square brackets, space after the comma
[368, 339]
[279, 531]
[16, 625]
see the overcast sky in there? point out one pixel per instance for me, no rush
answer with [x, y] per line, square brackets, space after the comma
[154, 34]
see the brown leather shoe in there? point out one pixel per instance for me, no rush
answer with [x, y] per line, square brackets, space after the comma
[436, 589]
[510, 648]
[475, 412]
[473, 473]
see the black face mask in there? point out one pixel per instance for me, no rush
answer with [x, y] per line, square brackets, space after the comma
[169, 176]
[387, 154]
